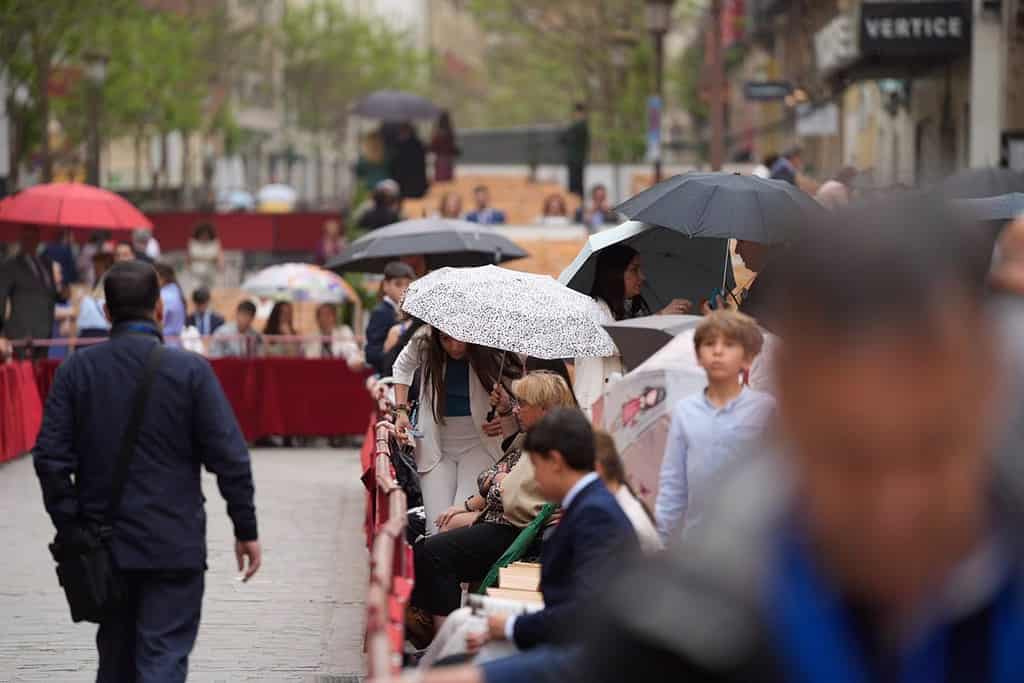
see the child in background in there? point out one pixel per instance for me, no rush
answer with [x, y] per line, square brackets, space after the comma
[713, 429]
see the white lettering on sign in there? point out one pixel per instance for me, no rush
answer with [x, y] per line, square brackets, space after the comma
[915, 27]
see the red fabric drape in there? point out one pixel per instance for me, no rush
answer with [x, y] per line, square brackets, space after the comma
[285, 396]
[22, 410]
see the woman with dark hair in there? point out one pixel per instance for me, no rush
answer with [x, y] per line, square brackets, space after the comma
[281, 323]
[442, 144]
[609, 466]
[174, 303]
[454, 440]
[617, 288]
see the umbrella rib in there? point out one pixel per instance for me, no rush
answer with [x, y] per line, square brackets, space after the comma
[760, 214]
[700, 219]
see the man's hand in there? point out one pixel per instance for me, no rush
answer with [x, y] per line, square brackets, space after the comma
[495, 631]
[5, 349]
[251, 550]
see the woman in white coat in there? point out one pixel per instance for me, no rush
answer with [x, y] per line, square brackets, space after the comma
[455, 443]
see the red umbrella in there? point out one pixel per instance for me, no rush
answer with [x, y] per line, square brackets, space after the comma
[72, 205]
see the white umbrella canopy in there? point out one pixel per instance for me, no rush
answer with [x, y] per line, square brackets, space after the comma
[299, 282]
[511, 311]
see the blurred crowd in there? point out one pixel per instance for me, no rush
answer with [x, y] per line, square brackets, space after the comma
[858, 519]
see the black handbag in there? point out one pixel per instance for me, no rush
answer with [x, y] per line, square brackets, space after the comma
[85, 564]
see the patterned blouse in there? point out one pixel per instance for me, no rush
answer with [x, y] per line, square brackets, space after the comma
[494, 511]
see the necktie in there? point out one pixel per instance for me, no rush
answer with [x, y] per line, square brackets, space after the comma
[325, 350]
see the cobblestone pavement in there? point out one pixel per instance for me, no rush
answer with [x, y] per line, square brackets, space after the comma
[299, 619]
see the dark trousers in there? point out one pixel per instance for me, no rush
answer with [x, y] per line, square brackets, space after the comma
[152, 637]
[576, 178]
[445, 560]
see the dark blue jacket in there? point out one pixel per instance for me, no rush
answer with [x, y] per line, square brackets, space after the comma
[188, 423]
[592, 530]
[381, 320]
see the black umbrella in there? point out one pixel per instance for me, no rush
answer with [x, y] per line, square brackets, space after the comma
[395, 106]
[444, 242]
[975, 183]
[726, 205]
[640, 338]
[1004, 207]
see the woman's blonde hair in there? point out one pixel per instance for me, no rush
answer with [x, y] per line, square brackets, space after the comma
[543, 389]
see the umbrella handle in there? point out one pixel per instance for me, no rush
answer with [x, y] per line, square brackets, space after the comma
[501, 369]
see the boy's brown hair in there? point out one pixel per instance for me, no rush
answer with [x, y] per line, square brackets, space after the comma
[732, 325]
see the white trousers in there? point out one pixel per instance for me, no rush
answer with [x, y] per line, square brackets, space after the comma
[453, 479]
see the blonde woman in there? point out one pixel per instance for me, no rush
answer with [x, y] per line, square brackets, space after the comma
[506, 500]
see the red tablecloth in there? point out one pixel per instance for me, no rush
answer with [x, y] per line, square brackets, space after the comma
[21, 411]
[285, 396]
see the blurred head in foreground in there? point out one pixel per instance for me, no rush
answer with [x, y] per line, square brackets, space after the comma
[888, 396]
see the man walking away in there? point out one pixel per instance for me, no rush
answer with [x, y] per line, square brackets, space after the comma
[576, 140]
[158, 537]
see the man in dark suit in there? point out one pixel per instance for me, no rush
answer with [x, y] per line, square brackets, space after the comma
[202, 317]
[27, 280]
[593, 529]
[159, 535]
[397, 276]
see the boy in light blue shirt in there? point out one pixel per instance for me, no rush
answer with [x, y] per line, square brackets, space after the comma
[715, 428]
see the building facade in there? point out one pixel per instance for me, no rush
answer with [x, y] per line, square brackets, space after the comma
[915, 90]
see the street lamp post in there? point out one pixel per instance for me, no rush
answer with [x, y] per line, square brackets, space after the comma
[717, 109]
[96, 73]
[621, 47]
[659, 17]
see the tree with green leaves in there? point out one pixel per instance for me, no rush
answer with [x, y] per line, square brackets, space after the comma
[332, 58]
[37, 38]
[545, 56]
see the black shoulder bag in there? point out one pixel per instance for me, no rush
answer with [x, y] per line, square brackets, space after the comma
[85, 563]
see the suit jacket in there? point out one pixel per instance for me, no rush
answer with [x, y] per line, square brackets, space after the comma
[188, 425]
[381, 320]
[32, 300]
[215, 321]
[592, 530]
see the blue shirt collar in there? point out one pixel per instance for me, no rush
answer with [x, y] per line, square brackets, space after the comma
[140, 326]
[728, 406]
[583, 483]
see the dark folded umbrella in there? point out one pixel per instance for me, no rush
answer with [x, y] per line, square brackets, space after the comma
[444, 242]
[395, 106]
[975, 183]
[640, 338]
[727, 205]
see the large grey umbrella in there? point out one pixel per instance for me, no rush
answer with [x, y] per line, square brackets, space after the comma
[395, 106]
[726, 205]
[975, 183]
[1004, 207]
[676, 266]
[640, 338]
[443, 241]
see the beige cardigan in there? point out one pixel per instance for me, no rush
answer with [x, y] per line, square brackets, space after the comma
[428, 446]
[520, 495]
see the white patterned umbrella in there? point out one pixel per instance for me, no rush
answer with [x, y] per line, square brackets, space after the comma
[299, 282]
[512, 311]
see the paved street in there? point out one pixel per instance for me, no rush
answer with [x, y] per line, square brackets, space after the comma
[299, 619]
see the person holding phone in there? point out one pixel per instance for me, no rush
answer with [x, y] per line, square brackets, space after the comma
[455, 439]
